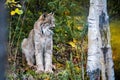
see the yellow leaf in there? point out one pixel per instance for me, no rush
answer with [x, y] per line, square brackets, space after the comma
[12, 5]
[18, 5]
[58, 65]
[72, 44]
[12, 13]
[18, 11]
[47, 78]
[77, 69]
[10, 1]
[79, 28]
[74, 40]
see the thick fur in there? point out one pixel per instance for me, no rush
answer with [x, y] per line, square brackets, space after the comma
[38, 46]
[28, 48]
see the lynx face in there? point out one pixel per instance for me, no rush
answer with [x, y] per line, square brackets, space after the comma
[47, 18]
[47, 23]
[52, 20]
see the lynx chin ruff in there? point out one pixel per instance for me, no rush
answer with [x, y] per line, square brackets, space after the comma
[38, 46]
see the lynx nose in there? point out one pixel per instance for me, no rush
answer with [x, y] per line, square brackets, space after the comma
[52, 27]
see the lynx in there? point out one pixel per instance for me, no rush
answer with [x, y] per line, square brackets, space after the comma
[39, 45]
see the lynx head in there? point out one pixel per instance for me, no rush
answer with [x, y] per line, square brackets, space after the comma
[48, 18]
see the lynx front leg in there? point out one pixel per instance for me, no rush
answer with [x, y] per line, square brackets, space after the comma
[48, 57]
[39, 57]
[48, 61]
[38, 48]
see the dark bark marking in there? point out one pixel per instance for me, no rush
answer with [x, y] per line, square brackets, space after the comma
[103, 28]
[94, 75]
[104, 50]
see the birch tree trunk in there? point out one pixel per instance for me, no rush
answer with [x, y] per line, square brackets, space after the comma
[99, 47]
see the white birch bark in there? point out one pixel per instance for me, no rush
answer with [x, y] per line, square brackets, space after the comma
[99, 47]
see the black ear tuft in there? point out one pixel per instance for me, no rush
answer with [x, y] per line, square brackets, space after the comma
[51, 12]
[44, 15]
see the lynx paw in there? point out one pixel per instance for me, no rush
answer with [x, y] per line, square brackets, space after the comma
[39, 71]
[48, 71]
[30, 64]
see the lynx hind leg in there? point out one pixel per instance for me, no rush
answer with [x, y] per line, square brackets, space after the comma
[30, 60]
[25, 50]
[24, 45]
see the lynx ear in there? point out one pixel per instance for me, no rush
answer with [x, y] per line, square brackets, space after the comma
[51, 13]
[44, 15]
